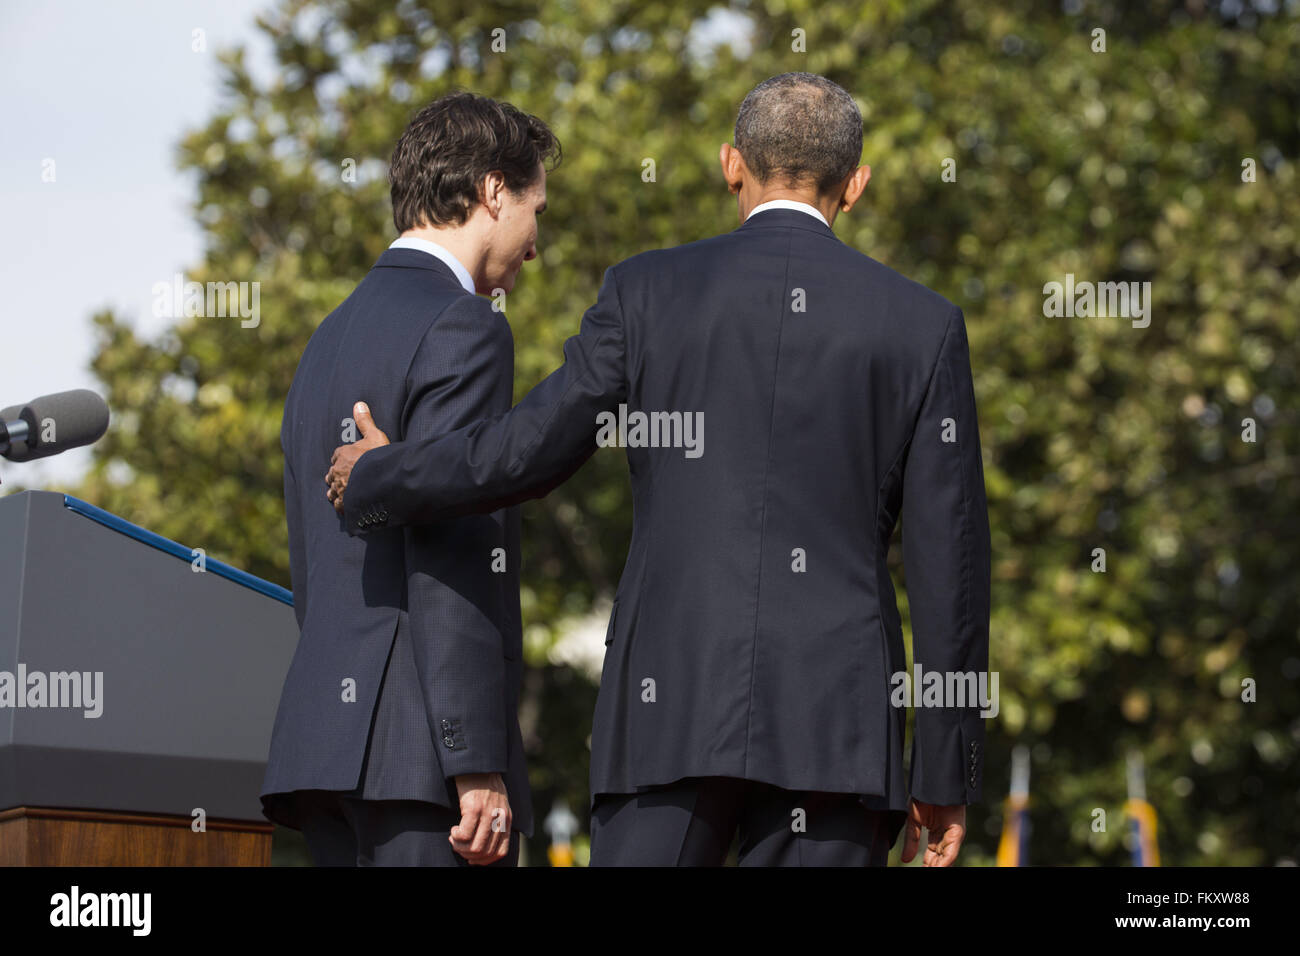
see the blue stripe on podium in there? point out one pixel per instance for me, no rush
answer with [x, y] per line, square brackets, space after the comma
[148, 537]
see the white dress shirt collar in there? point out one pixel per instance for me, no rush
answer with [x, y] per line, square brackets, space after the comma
[437, 251]
[789, 204]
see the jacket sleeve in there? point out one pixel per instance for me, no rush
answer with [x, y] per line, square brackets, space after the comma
[501, 461]
[463, 370]
[946, 563]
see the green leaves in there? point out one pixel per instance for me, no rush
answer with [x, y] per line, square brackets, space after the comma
[1118, 166]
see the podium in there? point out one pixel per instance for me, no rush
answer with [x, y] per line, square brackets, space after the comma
[138, 687]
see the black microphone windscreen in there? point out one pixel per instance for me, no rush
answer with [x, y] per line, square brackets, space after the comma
[58, 422]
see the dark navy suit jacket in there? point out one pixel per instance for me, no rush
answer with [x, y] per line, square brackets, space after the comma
[428, 357]
[755, 630]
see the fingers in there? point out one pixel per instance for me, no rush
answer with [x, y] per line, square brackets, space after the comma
[945, 828]
[371, 436]
[942, 846]
[911, 841]
[336, 479]
[946, 855]
[361, 415]
[344, 457]
[336, 484]
[462, 834]
[500, 832]
[483, 834]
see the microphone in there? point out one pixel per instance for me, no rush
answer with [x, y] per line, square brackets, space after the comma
[52, 423]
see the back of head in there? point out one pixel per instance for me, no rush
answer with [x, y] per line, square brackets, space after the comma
[801, 130]
[440, 160]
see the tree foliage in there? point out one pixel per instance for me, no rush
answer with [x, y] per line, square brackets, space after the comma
[1118, 165]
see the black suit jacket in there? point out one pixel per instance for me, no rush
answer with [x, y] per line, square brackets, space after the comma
[837, 398]
[428, 357]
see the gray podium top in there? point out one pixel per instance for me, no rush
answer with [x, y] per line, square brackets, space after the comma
[129, 681]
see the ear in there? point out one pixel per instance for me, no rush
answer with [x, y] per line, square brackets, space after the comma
[853, 187]
[491, 192]
[733, 167]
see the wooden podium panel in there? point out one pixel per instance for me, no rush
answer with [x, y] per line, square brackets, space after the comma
[40, 836]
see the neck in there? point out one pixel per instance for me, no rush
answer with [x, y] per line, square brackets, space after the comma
[461, 241]
[826, 205]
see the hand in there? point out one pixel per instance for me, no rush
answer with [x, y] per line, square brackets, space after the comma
[345, 457]
[483, 834]
[945, 829]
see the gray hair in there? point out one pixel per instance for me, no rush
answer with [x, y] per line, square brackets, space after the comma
[800, 128]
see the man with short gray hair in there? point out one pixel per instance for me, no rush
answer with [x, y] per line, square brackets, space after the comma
[755, 637]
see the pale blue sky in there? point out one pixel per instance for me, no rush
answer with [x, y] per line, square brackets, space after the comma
[105, 89]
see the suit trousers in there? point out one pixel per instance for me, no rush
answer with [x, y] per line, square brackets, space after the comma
[692, 822]
[384, 821]
[344, 830]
